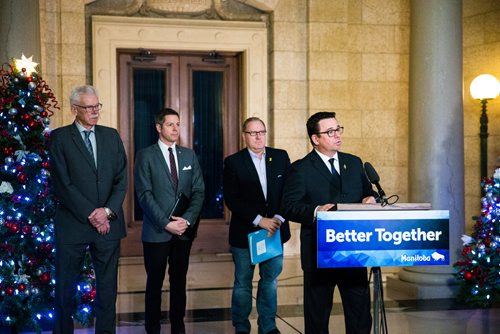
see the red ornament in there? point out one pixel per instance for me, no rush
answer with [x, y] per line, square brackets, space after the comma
[22, 178]
[21, 287]
[14, 227]
[45, 164]
[86, 298]
[9, 291]
[26, 229]
[45, 248]
[466, 250]
[487, 241]
[7, 248]
[468, 275]
[45, 278]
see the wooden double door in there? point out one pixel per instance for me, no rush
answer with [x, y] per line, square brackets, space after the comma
[204, 88]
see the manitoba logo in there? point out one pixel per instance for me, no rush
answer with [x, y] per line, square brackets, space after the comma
[437, 257]
[415, 258]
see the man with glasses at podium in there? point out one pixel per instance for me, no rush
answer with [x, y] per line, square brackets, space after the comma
[317, 182]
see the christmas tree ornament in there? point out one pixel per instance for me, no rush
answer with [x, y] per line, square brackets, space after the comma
[26, 66]
[477, 270]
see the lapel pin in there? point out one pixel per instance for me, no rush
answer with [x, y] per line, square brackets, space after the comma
[270, 159]
[345, 167]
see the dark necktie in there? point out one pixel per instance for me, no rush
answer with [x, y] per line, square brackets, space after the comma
[88, 143]
[335, 174]
[173, 169]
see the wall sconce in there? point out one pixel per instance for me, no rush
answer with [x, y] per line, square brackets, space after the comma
[484, 87]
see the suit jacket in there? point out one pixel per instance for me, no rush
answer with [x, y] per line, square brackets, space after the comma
[244, 197]
[309, 184]
[81, 187]
[153, 186]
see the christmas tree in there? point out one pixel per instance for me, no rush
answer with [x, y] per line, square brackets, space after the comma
[478, 269]
[27, 204]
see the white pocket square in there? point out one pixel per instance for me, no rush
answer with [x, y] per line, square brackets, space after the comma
[187, 167]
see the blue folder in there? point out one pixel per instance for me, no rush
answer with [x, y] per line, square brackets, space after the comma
[263, 248]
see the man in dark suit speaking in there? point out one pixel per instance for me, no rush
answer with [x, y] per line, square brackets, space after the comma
[163, 171]
[316, 183]
[253, 185]
[89, 171]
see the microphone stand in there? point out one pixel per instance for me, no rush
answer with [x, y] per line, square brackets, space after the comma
[379, 317]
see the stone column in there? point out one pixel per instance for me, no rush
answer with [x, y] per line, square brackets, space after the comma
[19, 30]
[436, 147]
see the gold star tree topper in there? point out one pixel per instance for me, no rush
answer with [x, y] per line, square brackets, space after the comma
[27, 63]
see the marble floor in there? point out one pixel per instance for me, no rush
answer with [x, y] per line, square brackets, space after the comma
[209, 295]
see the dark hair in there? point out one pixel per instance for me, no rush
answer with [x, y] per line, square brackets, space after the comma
[312, 124]
[251, 119]
[160, 116]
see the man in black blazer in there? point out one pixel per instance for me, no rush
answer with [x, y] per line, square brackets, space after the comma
[89, 171]
[314, 185]
[163, 171]
[253, 184]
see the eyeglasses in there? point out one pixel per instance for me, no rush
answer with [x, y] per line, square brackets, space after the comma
[331, 132]
[97, 107]
[255, 133]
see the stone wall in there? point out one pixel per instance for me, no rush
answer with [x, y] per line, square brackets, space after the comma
[350, 57]
[347, 56]
[62, 31]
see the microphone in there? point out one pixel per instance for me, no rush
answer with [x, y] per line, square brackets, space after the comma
[373, 177]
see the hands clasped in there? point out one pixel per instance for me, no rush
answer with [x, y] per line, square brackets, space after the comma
[177, 226]
[99, 219]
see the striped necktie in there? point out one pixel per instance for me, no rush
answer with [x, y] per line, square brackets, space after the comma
[88, 143]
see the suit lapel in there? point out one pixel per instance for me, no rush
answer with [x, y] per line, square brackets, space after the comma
[101, 145]
[344, 171]
[161, 162]
[252, 172]
[321, 168]
[78, 140]
[270, 172]
[182, 162]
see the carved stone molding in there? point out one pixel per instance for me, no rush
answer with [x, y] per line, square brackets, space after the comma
[264, 5]
[242, 10]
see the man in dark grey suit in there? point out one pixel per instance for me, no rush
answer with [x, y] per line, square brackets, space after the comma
[316, 183]
[90, 180]
[253, 185]
[163, 171]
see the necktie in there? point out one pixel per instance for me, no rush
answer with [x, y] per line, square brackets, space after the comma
[335, 174]
[173, 169]
[88, 143]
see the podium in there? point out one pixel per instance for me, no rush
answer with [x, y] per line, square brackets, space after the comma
[371, 235]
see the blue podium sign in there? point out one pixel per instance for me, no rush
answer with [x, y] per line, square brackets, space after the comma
[383, 238]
